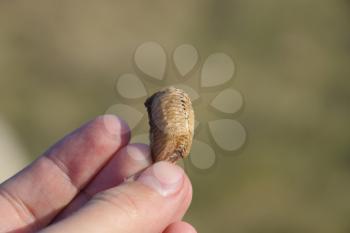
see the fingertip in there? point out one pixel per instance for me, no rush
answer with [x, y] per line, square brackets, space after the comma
[186, 202]
[128, 161]
[114, 126]
[163, 177]
[180, 227]
[139, 153]
[102, 134]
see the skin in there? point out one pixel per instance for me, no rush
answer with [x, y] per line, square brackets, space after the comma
[79, 185]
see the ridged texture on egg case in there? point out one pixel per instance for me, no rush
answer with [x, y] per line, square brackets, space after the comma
[171, 119]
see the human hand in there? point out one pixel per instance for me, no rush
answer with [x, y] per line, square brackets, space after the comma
[78, 186]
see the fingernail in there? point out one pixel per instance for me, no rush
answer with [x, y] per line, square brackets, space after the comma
[163, 177]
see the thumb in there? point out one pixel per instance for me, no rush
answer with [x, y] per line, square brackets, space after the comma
[159, 197]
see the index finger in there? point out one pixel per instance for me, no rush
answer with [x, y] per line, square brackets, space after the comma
[32, 198]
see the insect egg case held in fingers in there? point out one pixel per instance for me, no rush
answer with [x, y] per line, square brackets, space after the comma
[171, 120]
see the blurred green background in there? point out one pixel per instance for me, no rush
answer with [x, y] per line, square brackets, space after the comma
[59, 61]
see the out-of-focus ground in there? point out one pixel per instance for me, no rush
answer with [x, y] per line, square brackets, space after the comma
[13, 156]
[59, 60]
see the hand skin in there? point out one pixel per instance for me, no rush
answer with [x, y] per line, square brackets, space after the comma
[79, 185]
